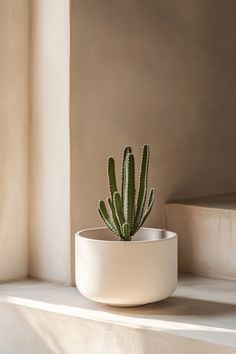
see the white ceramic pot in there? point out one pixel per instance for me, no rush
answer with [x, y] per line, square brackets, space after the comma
[126, 273]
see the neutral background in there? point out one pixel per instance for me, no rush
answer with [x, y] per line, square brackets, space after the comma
[115, 73]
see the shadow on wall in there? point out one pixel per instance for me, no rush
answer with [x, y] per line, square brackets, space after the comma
[208, 164]
[156, 73]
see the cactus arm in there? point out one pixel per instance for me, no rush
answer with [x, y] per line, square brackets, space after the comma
[127, 215]
[132, 228]
[118, 208]
[127, 151]
[129, 189]
[113, 211]
[126, 231]
[149, 207]
[142, 186]
[106, 218]
[112, 176]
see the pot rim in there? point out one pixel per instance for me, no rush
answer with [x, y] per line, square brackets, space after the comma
[171, 235]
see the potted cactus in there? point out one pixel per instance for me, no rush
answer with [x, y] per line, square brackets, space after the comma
[125, 264]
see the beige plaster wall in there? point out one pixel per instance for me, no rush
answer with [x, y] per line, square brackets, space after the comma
[158, 72]
[141, 72]
[49, 143]
[14, 27]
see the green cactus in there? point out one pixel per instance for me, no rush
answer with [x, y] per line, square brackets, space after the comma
[127, 214]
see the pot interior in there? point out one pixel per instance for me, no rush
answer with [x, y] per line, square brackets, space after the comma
[144, 234]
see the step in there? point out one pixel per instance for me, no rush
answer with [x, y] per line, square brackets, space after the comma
[206, 230]
[42, 318]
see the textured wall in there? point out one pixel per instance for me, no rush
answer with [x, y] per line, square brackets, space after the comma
[141, 72]
[49, 144]
[158, 72]
[14, 26]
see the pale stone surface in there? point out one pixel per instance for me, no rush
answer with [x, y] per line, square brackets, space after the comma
[42, 318]
[206, 231]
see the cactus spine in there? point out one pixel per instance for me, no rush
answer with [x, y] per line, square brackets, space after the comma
[127, 214]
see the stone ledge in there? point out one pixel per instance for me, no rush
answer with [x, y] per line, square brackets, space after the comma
[42, 318]
[206, 231]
